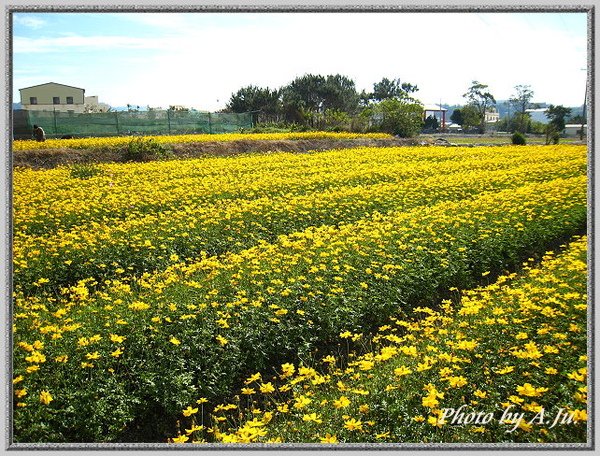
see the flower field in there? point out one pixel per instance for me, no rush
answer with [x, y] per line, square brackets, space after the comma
[507, 364]
[150, 287]
[116, 141]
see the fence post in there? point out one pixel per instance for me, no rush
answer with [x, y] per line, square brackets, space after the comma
[117, 121]
[54, 116]
[169, 119]
[209, 124]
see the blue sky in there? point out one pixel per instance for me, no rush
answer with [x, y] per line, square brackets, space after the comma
[200, 59]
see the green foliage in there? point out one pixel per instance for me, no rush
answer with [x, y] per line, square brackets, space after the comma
[481, 100]
[386, 89]
[431, 123]
[457, 116]
[521, 101]
[557, 115]
[396, 117]
[84, 170]
[252, 98]
[518, 139]
[139, 149]
[310, 96]
[470, 117]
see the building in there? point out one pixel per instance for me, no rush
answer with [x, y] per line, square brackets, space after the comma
[492, 116]
[52, 96]
[575, 130]
[436, 111]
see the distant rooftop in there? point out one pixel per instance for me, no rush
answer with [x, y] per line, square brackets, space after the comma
[433, 107]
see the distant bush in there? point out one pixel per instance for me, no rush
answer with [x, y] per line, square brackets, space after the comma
[143, 149]
[518, 139]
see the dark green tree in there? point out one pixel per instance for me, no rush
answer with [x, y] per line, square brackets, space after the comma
[556, 115]
[521, 101]
[431, 124]
[556, 125]
[481, 100]
[264, 101]
[308, 96]
[457, 117]
[470, 117]
[397, 117]
[392, 88]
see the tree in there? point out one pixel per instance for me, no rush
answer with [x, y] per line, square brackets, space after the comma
[481, 100]
[470, 117]
[252, 98]
[521, 101]
[457, 117]
[557, 115]
[308, 96]
[394, 88]
[431, 124]
[398, 117]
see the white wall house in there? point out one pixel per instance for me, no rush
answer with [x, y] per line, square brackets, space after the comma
[52, 96]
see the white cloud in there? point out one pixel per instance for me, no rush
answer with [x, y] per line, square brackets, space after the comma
[29, 21]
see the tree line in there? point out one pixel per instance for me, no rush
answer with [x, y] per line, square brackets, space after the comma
[332, 103]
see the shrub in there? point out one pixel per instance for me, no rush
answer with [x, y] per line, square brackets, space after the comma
[397, 117]
[518, 139]
[143, 149]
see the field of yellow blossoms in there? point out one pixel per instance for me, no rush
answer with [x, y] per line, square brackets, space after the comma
[319, 297]
[116, 141]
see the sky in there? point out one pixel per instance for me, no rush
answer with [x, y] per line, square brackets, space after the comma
[200, 59]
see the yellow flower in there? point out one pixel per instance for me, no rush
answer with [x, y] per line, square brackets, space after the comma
[45, 397]
[248, 391]
[283, 408]
[288, 370]
[252, 378]
[435, 421]
[180, 439]
[222, 341]
[579, 415]
[175, 341]
[329, 439]
[342, 402]
[401, 371]
[116, 338]
[353, 425]
[190, 411]
[21, 392]
[118, 352]
[529, 390]
[312, 417]
[267, 388]
[457, 382]
[301, 402]
[92, 356]
[578, 376]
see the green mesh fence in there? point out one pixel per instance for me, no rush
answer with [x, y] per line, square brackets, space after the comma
[58, 124]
